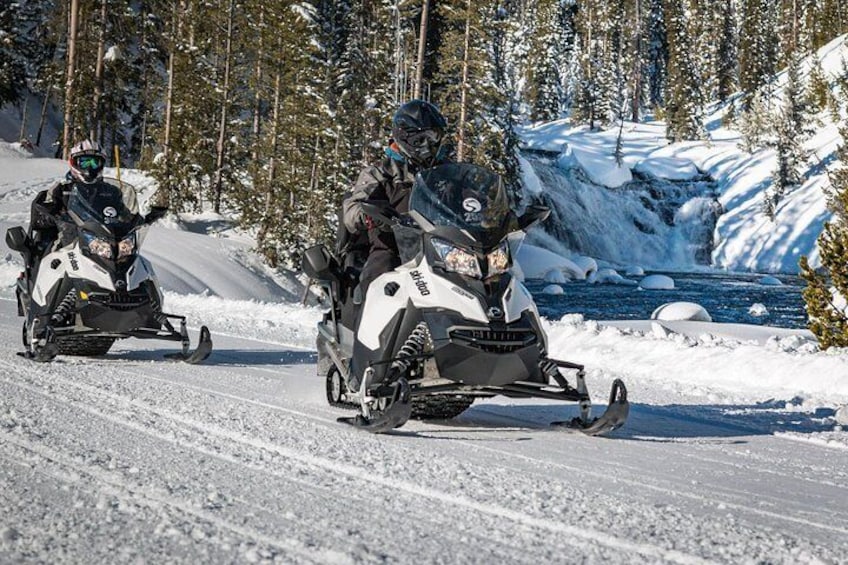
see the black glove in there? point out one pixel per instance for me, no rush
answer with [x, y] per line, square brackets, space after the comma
[155, 213]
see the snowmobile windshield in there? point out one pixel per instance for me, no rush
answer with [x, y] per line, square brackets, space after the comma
[463, 202]
[108, 203]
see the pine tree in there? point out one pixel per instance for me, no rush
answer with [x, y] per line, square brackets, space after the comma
[12, 68]
[758, 44]
[755, 122]
[657, 53]
[684, 104]
[818, 92]
[545, 91]
[826, 292]
[728, 61]
[792, 130]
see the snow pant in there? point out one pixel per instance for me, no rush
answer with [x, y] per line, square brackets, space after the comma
[379, 261]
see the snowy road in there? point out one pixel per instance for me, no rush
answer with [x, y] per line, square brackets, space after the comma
[123, 458]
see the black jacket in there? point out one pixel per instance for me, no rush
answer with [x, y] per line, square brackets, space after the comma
[390, 181]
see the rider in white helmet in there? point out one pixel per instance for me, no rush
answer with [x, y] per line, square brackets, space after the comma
[86, 161]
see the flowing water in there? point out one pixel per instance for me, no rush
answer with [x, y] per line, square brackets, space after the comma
[727, 297]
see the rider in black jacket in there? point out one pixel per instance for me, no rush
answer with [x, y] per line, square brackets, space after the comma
[418, 133]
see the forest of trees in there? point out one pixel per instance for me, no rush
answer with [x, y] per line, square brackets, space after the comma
[267, 109]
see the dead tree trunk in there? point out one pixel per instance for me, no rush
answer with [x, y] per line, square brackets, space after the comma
[225, 108]
[69, 79]
[98, 74]
[463, 106]
[422, 47]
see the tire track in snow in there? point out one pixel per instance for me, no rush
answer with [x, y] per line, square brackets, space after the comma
[580, 534]
[161, 501]
[520, 552]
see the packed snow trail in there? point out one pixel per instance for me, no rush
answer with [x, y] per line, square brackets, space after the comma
[123, 457]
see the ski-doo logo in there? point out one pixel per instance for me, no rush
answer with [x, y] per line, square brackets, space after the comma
[110, 212]
[471, 205]
[420, 283]
[72, 257]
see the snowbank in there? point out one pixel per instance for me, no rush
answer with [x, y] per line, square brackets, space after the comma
[746, 240]
[600, 167]
[537, 263]
[669, 168]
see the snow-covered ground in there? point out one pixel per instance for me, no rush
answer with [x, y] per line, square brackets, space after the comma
[746, 240]
[733, 451]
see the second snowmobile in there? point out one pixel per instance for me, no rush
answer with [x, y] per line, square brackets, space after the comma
[92, 286]
[452, 323]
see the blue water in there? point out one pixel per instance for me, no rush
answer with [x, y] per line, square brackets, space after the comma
[727, 297]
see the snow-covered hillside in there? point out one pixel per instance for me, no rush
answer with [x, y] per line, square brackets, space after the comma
[745, 239]
[734, 451]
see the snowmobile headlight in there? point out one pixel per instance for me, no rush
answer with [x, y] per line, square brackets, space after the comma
[499, 259]
[98, 246]
[126, 246]
[457, 260]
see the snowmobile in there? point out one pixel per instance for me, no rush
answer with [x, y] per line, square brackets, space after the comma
[451, 324]
[92, 287]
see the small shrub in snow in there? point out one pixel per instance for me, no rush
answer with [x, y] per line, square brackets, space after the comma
[759, 310]
[553, 289]
[657, 282]
[676, 311]
[769, 280]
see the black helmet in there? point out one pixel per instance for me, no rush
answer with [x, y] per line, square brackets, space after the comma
[418, 128]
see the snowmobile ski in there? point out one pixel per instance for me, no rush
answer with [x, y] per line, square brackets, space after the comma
[43, 352]
[612, 419]
[204, 348]
[392, 415]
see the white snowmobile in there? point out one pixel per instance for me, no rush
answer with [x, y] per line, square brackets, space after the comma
[92, 287]
[451, 324]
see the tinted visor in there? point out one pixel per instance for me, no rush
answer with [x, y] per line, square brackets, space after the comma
[422, 138]
[89, 163]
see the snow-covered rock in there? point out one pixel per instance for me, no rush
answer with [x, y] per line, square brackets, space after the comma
[609, 276]
[536, 262]
[588, 265]
[635, 271]
[553, 289]
[676, 311]
[598, 164]
[555, 276]
[657, 282]
[841, 415]
[669, 168]
[769, 280]
[758, 310]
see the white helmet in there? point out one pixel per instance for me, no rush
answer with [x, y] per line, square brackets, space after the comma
[87, 161]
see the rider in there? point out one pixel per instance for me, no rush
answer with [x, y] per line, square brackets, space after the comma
[418, 135]
[86, 161]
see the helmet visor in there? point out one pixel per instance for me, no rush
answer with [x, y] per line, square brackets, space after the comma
[423, 138]
[89, 163]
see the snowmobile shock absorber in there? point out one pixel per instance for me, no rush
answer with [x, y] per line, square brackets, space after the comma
[412, 347]
[65, 306]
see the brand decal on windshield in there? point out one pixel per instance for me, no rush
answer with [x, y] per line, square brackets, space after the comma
[472, 209]
[420, 283]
